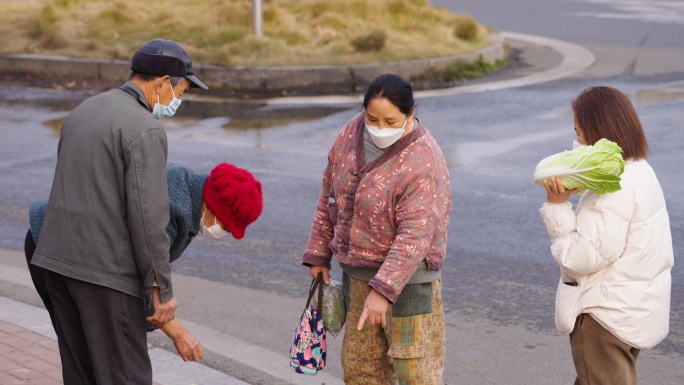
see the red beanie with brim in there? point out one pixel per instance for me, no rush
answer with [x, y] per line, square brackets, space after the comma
[234, 196]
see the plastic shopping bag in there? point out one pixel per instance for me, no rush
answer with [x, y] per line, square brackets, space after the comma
[334, 309]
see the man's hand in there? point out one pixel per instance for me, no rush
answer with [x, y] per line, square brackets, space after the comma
[188, 347]
[163, 312]
[314, 270]
[374, 310]
[556, 193]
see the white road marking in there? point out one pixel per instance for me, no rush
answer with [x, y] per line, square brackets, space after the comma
[667, 12]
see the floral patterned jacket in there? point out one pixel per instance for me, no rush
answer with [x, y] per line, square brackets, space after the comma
[389, 214]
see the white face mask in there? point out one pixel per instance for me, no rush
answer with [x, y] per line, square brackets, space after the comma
[160, 111]
[213, 232]
[386, 137]
[576, 145]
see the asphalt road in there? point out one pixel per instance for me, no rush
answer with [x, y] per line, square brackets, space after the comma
[499, 277]
[629, 37]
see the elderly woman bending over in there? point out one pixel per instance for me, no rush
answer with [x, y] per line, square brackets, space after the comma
[215, 205]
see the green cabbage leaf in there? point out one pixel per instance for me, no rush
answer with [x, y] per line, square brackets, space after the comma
[597, 168]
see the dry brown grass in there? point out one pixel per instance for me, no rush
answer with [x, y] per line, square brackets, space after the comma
[298, 32]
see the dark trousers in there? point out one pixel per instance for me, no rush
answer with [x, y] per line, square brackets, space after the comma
[600, 357]
[101, 333]
[37, 276]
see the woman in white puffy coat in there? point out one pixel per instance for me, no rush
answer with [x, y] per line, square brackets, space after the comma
[614, 250]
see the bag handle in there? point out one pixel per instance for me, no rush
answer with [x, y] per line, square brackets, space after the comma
[316, 283]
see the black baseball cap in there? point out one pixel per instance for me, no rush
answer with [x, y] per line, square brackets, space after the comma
[165, 57]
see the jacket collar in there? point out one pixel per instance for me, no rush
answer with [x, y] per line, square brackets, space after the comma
[135, 91]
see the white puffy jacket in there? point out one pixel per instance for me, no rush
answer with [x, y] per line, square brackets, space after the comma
[618, 248]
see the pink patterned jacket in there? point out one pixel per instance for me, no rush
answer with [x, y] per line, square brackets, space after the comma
[389, 214]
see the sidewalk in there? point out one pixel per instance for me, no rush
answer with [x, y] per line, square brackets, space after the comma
[28, 344]
[27, 357]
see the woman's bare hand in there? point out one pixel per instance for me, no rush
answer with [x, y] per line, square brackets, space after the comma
[374, 310]
[556, 193]
[314, 270]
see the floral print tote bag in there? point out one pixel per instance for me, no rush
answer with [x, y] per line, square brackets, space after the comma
[307, 354]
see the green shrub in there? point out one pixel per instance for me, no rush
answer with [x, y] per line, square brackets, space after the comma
[466, 28]
[398, 8]
[235, 14]
[62, 3]
[374, 41]
[197, 34]
[271, 15]
[250, 45]
[39, 24]
[229, 36]
[460, 70]
[93, 45]
[49, 15]
[53, 39]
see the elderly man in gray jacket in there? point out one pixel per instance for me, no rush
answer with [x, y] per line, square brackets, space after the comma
[103, 241]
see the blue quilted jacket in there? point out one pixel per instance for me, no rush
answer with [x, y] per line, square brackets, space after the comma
[185, 199]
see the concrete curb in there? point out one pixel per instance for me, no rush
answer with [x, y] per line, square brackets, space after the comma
[250, 80]
[575, 60]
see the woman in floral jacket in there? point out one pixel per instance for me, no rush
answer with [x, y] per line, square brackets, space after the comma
[383, 212]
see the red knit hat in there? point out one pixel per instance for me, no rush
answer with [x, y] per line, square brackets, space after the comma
[234, 196]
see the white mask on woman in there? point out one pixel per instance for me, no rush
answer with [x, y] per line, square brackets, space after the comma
[214, 232]
[576, 144]
[386, 137]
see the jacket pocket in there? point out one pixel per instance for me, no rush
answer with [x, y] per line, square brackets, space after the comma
[567, 300]
[332, 210]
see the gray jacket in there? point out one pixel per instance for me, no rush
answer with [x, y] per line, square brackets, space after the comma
[109, 204]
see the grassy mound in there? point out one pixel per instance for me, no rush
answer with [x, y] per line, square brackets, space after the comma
[298, 32]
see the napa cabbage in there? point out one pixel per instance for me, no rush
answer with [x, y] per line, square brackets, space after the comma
[597, 168]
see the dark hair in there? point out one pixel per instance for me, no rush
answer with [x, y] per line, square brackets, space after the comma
[175, 80]
[605, 112]
[393, 88]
